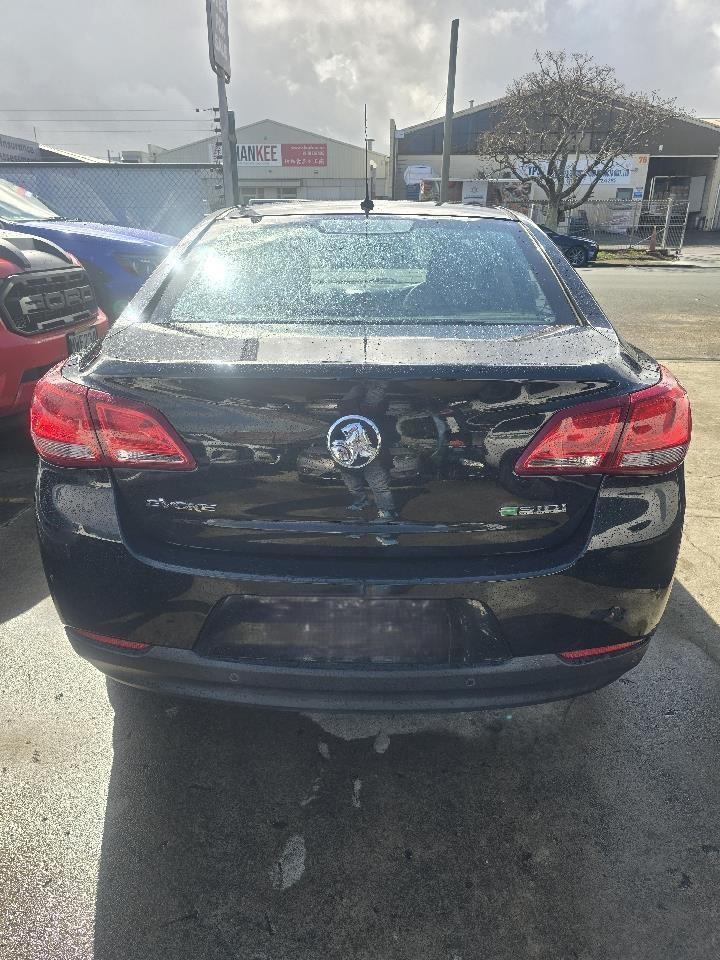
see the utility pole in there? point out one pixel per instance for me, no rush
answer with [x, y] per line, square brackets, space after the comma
[392, 161]
[449, 109]
[233, 153]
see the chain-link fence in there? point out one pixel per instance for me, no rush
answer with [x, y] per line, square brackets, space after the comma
[169, 198]
[622, 224]
[173, 197]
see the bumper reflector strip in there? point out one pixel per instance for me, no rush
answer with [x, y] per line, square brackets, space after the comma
[112, 641]
[571, 655]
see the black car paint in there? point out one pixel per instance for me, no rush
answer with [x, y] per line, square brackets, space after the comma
[568, 242]
[252, 427]
[599, 574]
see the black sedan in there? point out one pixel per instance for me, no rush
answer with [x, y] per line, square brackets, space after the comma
[579, 250]
[390, 461]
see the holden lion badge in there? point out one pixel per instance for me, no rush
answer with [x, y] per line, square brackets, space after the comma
[353, 442]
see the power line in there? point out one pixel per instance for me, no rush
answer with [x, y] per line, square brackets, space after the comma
[58, 143]
[134, 130]
[65, 143]
[87, 110]
[98, 120]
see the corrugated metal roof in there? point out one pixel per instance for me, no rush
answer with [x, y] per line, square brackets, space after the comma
[69, 155]
[479, 107]
[377, 156]
[476, 108]
[306, 133]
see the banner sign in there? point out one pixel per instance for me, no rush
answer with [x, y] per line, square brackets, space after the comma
[304, 154]
[417, 172]
[626, 170]
[282, 154]
[13, 148]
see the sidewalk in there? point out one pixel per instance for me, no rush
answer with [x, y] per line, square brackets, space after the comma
[707, 255]
[701, 249]
[680, 262]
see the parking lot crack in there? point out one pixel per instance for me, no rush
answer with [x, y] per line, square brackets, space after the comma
[705, 553]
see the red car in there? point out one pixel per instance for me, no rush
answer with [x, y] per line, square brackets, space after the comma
[47, 312]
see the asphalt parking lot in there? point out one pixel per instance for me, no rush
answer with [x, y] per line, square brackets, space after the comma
[136, 827]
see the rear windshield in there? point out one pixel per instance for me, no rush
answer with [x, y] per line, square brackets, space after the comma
[381, 270]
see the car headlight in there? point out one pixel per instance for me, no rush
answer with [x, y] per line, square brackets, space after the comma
[140, 266]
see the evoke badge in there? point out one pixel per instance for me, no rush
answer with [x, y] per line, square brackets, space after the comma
[160, 504]
[353, 442]
[539, 510]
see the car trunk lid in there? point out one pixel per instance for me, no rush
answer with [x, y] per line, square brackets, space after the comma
[451, 415]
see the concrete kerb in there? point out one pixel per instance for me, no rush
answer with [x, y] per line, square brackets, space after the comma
[647, 264]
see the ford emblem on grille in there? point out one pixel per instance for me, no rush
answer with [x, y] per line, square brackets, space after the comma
[353, 442]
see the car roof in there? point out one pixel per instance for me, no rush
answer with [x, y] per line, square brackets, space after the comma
[398, 208]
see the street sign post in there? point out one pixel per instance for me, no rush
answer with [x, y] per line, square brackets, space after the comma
[218, 36]
[219, 47]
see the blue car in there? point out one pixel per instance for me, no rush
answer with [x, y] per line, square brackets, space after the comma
[118, 260]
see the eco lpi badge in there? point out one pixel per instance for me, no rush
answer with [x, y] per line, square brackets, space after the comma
[538, 510]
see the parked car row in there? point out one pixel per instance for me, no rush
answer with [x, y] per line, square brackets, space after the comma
[62, 282]
[48, 311]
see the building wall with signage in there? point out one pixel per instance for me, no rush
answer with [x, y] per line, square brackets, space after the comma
[685, 156]
[630, 173]
[14, 148]
[275, 159]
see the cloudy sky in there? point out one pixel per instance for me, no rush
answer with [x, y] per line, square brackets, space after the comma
[313, 63]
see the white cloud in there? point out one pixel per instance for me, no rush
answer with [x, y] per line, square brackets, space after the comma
[339, 68]
[314, 64]
[506, 19]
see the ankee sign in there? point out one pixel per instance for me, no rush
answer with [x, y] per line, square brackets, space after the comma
[282, 154]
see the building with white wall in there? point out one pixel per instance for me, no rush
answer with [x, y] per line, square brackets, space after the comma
[277, 160]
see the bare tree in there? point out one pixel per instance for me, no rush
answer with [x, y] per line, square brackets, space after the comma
[564, 125]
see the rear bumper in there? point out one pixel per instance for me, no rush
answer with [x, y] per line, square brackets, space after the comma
[608, 586]
[26, 359]
[517, 682]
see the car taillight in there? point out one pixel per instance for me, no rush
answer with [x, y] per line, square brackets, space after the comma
[132, 435]
[8, 269]
[644, 432]
[60, 423]
[75, 426]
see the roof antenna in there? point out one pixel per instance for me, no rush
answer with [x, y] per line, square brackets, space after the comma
[367, 204]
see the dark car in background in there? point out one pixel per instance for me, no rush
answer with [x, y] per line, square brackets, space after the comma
[220, 503]
[47, 312]
[118, 259]
[579, 250]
